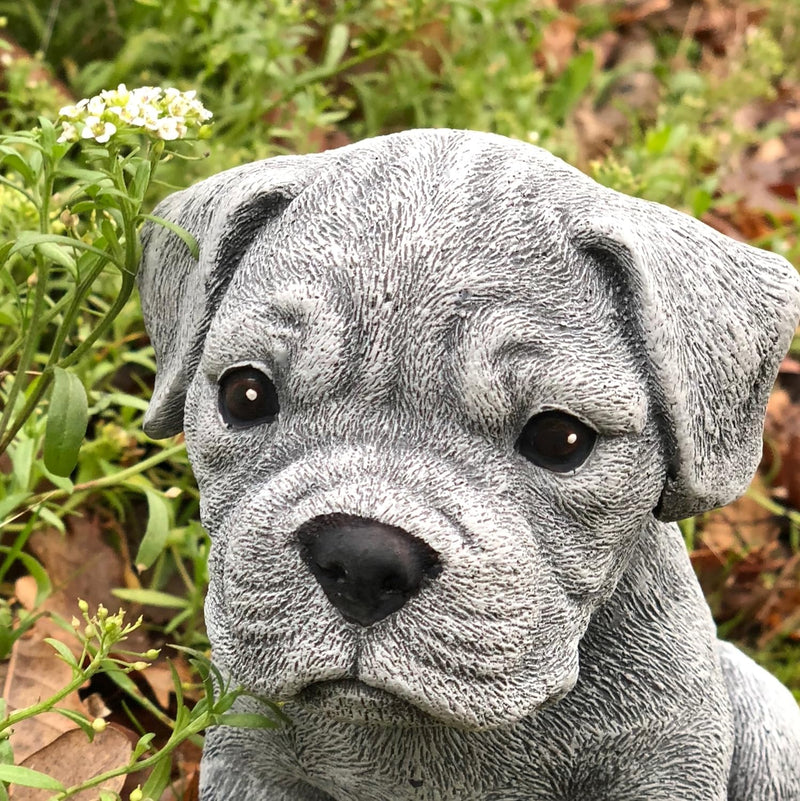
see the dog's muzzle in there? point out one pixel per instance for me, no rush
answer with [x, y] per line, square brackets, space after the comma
[367, 569]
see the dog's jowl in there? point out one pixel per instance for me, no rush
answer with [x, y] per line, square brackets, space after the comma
[444, 395]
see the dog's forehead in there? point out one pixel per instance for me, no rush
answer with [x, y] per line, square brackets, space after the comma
[423, 229]
[454, 215]
[456, 256]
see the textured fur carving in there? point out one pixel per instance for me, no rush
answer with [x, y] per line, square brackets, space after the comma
[416, 298]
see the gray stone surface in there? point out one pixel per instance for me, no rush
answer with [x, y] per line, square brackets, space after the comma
[416, 299]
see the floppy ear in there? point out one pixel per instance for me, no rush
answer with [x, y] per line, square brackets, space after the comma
[714, 317]
[181, 294]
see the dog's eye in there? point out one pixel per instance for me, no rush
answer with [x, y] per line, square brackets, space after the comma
[556, 441]
[247, 397]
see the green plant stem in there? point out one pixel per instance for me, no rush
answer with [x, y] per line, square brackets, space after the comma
[77, 298]
[128, 282]
[773, 507]
[47, 316]
[174, 741]
[30, 404]
[114, 480]
[78, 680]
[19, 189]
[25, 361]
[32, 339]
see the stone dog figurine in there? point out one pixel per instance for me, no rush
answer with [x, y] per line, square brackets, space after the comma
[442, 394]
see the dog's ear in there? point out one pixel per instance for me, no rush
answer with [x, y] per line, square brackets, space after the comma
[712, 317]
[181, 294]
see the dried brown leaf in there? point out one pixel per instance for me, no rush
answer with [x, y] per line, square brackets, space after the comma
[72, 759]
[558, 43]
[741, 526]
[35, 673]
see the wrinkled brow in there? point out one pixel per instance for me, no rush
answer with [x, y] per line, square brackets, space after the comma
[261, 328]
[514, 361]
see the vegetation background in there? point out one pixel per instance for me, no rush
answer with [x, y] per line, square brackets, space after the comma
[691, 103]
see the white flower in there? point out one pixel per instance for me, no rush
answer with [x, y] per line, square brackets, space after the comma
[109, 129]
[165, 114]
[171, 128]
[96, 106]
[70, 112]
[116, 97]
[97, 129]
[69, 133]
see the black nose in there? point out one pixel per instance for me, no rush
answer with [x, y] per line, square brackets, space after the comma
[367, 569]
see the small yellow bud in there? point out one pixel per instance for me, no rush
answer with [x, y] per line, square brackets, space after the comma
[140, 665]
[152, 653]
[98, 724]
[83, 605]
[136, 795]
[89, 632]
[76, 624]
[102, 613]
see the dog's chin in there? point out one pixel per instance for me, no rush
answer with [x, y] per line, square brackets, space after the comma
[354, 702]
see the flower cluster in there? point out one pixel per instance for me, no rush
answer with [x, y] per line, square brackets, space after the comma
[160, 113]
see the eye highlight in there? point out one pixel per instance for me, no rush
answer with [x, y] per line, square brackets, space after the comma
[556, 441]
[247, 397]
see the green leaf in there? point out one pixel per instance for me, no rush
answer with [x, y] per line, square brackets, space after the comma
[29, 778]
[155, 536]
[11, 158]
[67, 419]
[152, 598]
[5, 249]
[59, 481]
[141, 180]
[48, 133]
[158, 780]
[122, 680]
[79, 719]
[87, 176]
[176, 683]
[188, 239]
[22, 458]
[63, 651]
[51, 518]
[142, 745]
[57, 254]
[26, 239]
[11, 502]
[570, 86]
[245, 720]
[338, 40]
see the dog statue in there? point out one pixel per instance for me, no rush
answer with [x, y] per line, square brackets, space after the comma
[443, 394]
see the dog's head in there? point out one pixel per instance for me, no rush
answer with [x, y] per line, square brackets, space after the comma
[433, 387]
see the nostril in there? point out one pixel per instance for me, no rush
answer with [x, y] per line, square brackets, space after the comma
[334, 572]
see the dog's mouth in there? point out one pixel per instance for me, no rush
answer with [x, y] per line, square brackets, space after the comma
[353, 701]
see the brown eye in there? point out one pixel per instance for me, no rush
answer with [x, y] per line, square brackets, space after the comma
[556, 441]
[247, 397]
